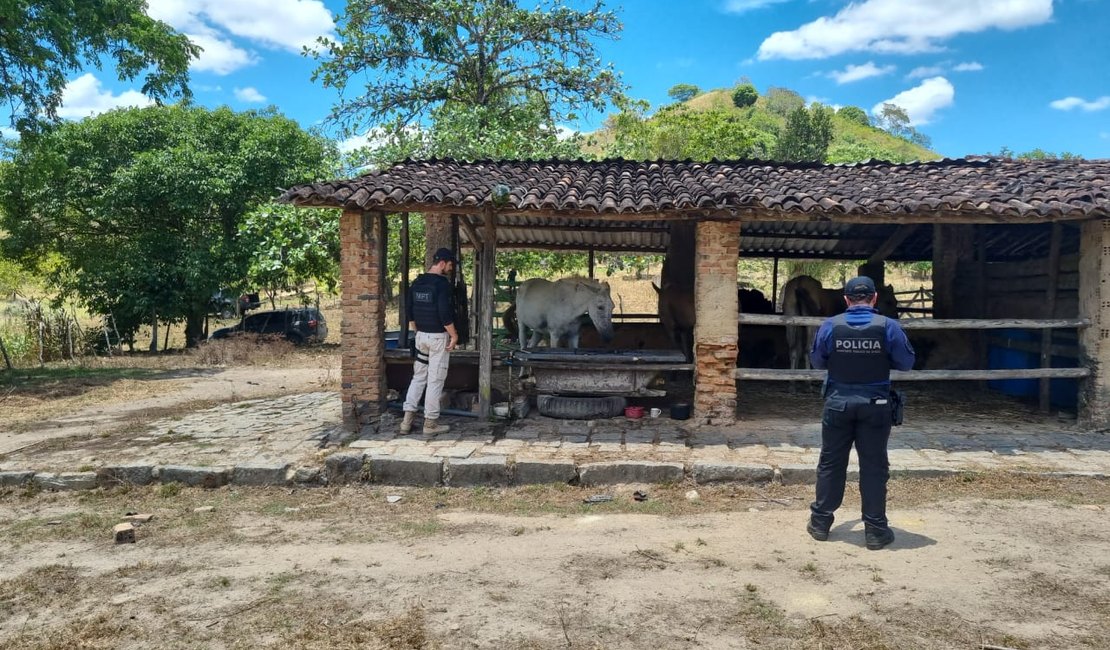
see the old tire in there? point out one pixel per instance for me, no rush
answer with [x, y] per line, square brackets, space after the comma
[580, 408]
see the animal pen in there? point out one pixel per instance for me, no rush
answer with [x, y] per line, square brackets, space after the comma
[1020, 253]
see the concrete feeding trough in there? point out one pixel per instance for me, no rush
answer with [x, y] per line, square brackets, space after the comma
[627, 373]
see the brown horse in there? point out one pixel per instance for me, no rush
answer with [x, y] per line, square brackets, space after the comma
[804, 296]
[676, 290]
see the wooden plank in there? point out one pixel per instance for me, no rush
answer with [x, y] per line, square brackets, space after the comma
[592, 262]
[586, 365]
[1050, 310]
[928, 323]
[778, 374]
[485, 315]
[894, 241]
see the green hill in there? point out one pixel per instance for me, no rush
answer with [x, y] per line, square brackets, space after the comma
[851, 142]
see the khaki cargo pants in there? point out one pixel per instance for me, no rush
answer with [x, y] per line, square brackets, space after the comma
[433, 349]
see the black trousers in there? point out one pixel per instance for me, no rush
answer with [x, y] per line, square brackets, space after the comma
[847, 421]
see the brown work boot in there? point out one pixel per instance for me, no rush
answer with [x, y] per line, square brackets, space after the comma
[434, 428]
[406, 423]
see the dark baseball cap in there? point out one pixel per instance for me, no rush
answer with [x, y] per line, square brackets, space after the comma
[444, 255]
[859, 286]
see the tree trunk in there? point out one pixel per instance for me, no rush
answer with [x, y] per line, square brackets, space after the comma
[194, 328]
[154, 332]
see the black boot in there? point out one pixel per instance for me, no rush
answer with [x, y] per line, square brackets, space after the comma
[816, 530]
[876, 538]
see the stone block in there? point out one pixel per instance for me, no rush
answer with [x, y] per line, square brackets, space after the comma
[15, 478]
[307, 476]
[470, 472]
[796, 474]
[406, 470]
[528, 472]
[718, 472]
[922, 472]
[630, 471]
[66, 481]
[125, 475]
[343, 468]
[124, 533]
[206, 477]
[268, 474]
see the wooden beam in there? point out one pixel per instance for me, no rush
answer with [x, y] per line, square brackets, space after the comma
[894, 241]
[1051, 292]
[471, 234]
[383, 255]
[485, 315]
[403, 303]
[777, 374]
[929, 323]
[592, 262]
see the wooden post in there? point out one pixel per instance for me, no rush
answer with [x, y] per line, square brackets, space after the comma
[775, 284]
[1094, 341]
[383, 255]
[1050, 312]
[403, 301]
[951, 243]
[981, 304]
[437, 234]
[591, 263]
[485, 315]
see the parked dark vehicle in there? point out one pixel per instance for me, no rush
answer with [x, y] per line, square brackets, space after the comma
[298, 325]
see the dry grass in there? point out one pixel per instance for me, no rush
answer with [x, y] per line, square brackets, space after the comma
[243, 350]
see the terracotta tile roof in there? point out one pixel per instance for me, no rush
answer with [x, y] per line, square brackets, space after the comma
[1006, 189]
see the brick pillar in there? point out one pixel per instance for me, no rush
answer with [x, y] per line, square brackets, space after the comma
[363, 328]
[1094, 341]
[437, 235]
[715, 340]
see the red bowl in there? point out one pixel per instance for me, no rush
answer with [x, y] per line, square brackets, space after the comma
[633, 412]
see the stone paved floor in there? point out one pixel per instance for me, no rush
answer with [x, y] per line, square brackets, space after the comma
[296, 428]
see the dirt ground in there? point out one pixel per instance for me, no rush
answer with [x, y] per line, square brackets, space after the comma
[978, 563]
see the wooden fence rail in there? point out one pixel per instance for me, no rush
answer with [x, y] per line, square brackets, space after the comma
[779, 374]
[929, 323]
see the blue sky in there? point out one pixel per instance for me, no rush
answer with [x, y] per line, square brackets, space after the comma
[974, 75]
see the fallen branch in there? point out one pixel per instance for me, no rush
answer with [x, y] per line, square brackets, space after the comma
[246, 608]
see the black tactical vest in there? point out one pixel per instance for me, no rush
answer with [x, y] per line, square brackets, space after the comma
[426, 292]
[859, 354]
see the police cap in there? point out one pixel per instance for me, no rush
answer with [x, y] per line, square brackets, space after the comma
[859, 287]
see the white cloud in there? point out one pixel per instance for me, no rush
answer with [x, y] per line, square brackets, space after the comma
[824, 101]
[923, 101]
[744, 6]
[901, 26]
[249, 95]
[1068, 103]
[85, 96]
[219, 55]
[279, 24]
[860, 72]
[10, 134]
[969, 66]
[563, 132]
[925, 71]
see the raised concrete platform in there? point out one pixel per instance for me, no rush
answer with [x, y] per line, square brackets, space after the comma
[292, 440]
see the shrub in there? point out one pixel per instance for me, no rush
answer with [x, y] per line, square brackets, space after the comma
[744, 95]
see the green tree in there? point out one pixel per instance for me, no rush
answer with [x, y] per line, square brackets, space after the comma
[144, 206]
[807, 135]
[418, 55]
[290, 247]
[854, 114]
[894, 120]
[43, 41]
[679, 133]
[783, 101]
[683, 92]
[744, 95]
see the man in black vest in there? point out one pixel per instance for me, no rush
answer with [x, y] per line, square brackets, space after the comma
[859, 348]
[431, 319]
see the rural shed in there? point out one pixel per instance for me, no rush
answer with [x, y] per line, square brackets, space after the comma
[961, 214]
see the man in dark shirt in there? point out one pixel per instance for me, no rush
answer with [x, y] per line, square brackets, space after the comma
[431, 318]
[859, 348]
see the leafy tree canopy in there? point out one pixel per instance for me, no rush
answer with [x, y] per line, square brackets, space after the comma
[807, 135]
[144, 206]
[782, 101]
[683, 92]
[854, 114]
[419, 55]
[43, 41]
[894, 120]
[744, 95]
